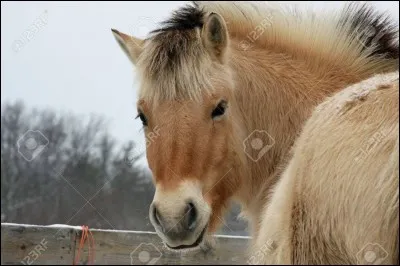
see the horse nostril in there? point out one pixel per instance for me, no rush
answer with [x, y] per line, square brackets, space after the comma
[156, 216]
[191, 214]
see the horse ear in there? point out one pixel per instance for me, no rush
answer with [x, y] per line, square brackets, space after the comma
[215, 36]
[130, 45]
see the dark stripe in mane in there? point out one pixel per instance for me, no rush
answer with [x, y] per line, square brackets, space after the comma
[185, 18]
[373, 28]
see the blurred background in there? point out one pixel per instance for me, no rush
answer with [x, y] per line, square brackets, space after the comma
[71, 150]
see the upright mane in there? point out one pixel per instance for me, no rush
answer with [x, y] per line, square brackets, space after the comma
[231, 86]
[357, 38]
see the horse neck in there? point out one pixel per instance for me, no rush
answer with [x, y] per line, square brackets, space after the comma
[276, 94]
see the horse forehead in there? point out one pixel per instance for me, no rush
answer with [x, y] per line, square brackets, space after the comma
[180, 125]
[178, 111]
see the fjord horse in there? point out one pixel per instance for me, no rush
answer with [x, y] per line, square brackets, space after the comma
[229, 87]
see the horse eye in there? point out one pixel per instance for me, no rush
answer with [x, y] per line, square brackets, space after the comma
[219, 110]
[143, 118]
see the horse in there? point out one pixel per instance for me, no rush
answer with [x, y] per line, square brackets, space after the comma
[337, 201]
[228, 87]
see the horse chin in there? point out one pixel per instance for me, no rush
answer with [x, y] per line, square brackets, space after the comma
[198, 244]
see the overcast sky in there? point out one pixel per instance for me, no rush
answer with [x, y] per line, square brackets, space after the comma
[72, 62]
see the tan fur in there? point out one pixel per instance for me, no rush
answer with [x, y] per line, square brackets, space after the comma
[272, 86]
[316, 42]
[340, 191]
